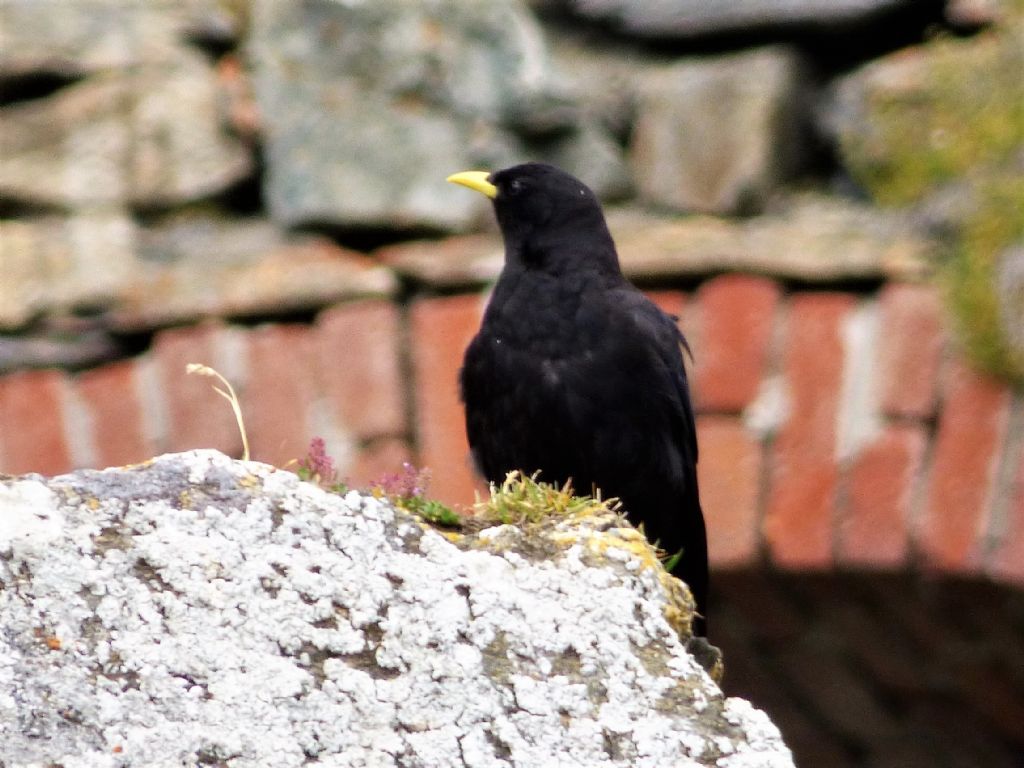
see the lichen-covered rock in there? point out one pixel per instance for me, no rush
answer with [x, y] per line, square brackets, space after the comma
[200, 610]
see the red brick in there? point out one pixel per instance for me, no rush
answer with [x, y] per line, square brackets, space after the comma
[875, 527]
[737, 318]
[111, 395]
[729, 472]
[975, 413]
[441, 329]
[358, 348]
[278, 393]
[910, 349]
[197, 417]
[804, 475]
[32, 423]
[378, 459]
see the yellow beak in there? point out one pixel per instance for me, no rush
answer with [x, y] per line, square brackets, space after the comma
[476, 180]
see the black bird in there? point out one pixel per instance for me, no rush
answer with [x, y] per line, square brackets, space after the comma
[576, 373]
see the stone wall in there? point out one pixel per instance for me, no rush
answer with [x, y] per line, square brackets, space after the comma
[837, 429]
[258, 186]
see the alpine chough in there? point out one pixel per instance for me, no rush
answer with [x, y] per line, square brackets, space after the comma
[576, 374]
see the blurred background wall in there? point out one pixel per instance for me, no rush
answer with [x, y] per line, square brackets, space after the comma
[828, 194]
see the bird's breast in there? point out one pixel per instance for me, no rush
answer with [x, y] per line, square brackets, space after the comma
[545, 316]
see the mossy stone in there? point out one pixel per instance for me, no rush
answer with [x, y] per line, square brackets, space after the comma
[949, 116]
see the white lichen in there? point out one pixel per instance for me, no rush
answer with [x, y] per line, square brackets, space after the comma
[198, 608]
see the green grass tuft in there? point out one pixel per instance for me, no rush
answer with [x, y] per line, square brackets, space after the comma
[431, 510]
[522, 500]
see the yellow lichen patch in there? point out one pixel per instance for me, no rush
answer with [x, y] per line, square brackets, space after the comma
[139, 465]
[453, 536]
[250, 481]
[92, 503]
[628, 540]
[679, 605]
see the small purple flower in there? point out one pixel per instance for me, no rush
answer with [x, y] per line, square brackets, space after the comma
[409, 483]
[317, 462]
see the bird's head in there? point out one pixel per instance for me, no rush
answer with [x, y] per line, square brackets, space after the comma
[544, 214]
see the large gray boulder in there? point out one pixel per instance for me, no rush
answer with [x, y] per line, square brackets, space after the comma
[196, 609]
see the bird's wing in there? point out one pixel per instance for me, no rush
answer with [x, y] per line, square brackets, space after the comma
[672, 512]
[669, 346]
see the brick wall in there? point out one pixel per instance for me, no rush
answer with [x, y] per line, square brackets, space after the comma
[836, 428]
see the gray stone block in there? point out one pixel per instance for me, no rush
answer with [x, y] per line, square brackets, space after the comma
[718, 135]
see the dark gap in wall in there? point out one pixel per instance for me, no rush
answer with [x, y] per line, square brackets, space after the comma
[134, 343]
[417, 291]
[867, 285]
[283, 316]
[245, 197]
[69, 351]
[26, 209]
[16, 89]
[211, 41]
[368, 238]
[837, 47]
[407, 374]
[685, 283]
[847, 47]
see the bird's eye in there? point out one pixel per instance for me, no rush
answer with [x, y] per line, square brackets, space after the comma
[516, 186]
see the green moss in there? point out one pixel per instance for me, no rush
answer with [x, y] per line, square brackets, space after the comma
[938, 114]
[969, 278]
[521, 500]
[950, 115]
[430, 510]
